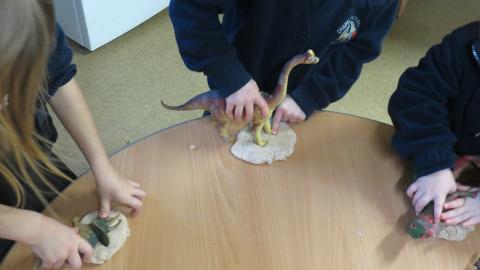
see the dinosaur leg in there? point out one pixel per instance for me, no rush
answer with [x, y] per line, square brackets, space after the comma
[223, 130]
[267, 127]
[257, 128]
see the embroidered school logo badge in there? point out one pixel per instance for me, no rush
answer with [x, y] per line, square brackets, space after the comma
[348, 30]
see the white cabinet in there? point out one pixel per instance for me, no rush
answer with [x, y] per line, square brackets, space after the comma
[93, 23]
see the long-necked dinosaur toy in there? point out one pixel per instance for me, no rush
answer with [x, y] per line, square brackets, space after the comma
[213, 102]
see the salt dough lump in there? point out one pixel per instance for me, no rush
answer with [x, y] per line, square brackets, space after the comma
[279, 146]
[102, 254]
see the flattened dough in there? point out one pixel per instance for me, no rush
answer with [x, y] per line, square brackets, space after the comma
[453, 232]
[102, 254]
[279, 146]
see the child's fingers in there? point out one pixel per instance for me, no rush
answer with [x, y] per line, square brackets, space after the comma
[286, 118]
[74, 260]
[422, 202]
[57, 265]
[262, 104]
[293, 118]
[453, 213]
[86, 249]
[249, 112]
[455, 203]
[276, 120]
[299, 118]
[134, 184]
[461, 187]
[302, 116]
[104, 207]
[239, 112]
[136, 210]
[412, 189]
[472, 221]
[134, 203]
[138, 193]
[438, 207]
[417, 196]
[229, 110]
[458, 219]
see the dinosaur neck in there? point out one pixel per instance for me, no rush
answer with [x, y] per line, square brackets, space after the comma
[281, 89]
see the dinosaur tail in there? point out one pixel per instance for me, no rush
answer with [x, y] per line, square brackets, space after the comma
[202, 101]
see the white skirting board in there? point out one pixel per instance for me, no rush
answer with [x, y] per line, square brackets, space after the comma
[94, 23]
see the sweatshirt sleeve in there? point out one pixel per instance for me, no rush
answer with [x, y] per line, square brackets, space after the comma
[203, 44]
[419, 109]
[60, 67]
[341, 67]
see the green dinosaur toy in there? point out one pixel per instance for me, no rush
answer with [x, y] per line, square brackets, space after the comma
[422, 226]
[97, 230]
[213, 102]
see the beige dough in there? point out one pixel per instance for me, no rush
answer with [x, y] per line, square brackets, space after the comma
[101, 254]
[453, 232]
[279, 146]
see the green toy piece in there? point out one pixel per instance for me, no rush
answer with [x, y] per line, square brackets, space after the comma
[97, 231]
[213, 102]
[422, 226]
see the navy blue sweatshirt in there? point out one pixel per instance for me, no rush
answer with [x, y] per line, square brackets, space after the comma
[436, 108]
[256, 38]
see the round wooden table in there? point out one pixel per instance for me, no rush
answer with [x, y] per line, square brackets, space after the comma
[337, 203]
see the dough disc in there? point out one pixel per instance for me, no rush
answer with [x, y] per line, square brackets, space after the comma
[279, 146]
[102, 254]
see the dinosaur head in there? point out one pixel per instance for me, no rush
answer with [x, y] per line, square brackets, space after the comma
[102, 226]
[420, 227]
[310, 57]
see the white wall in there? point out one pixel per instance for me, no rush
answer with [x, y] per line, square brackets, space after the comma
[93, 23]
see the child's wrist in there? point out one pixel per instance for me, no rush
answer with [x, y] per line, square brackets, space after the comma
[100, 165]
[439, 173]
[30, 234]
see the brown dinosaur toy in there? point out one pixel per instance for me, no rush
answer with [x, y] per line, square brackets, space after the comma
[213, 102]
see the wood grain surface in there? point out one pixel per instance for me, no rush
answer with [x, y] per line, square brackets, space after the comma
[337, 203]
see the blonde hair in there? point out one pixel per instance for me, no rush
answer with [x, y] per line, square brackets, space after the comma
[27, 30]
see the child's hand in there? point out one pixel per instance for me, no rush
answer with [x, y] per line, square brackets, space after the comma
[245, 99]
[436, 187]
[112, 186]
[288, 111]
[58, 245]
[465, 210]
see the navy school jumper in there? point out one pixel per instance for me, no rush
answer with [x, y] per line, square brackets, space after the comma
[256, 38]
[436, 108]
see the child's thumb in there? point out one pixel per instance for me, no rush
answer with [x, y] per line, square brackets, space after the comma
[104, 208]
